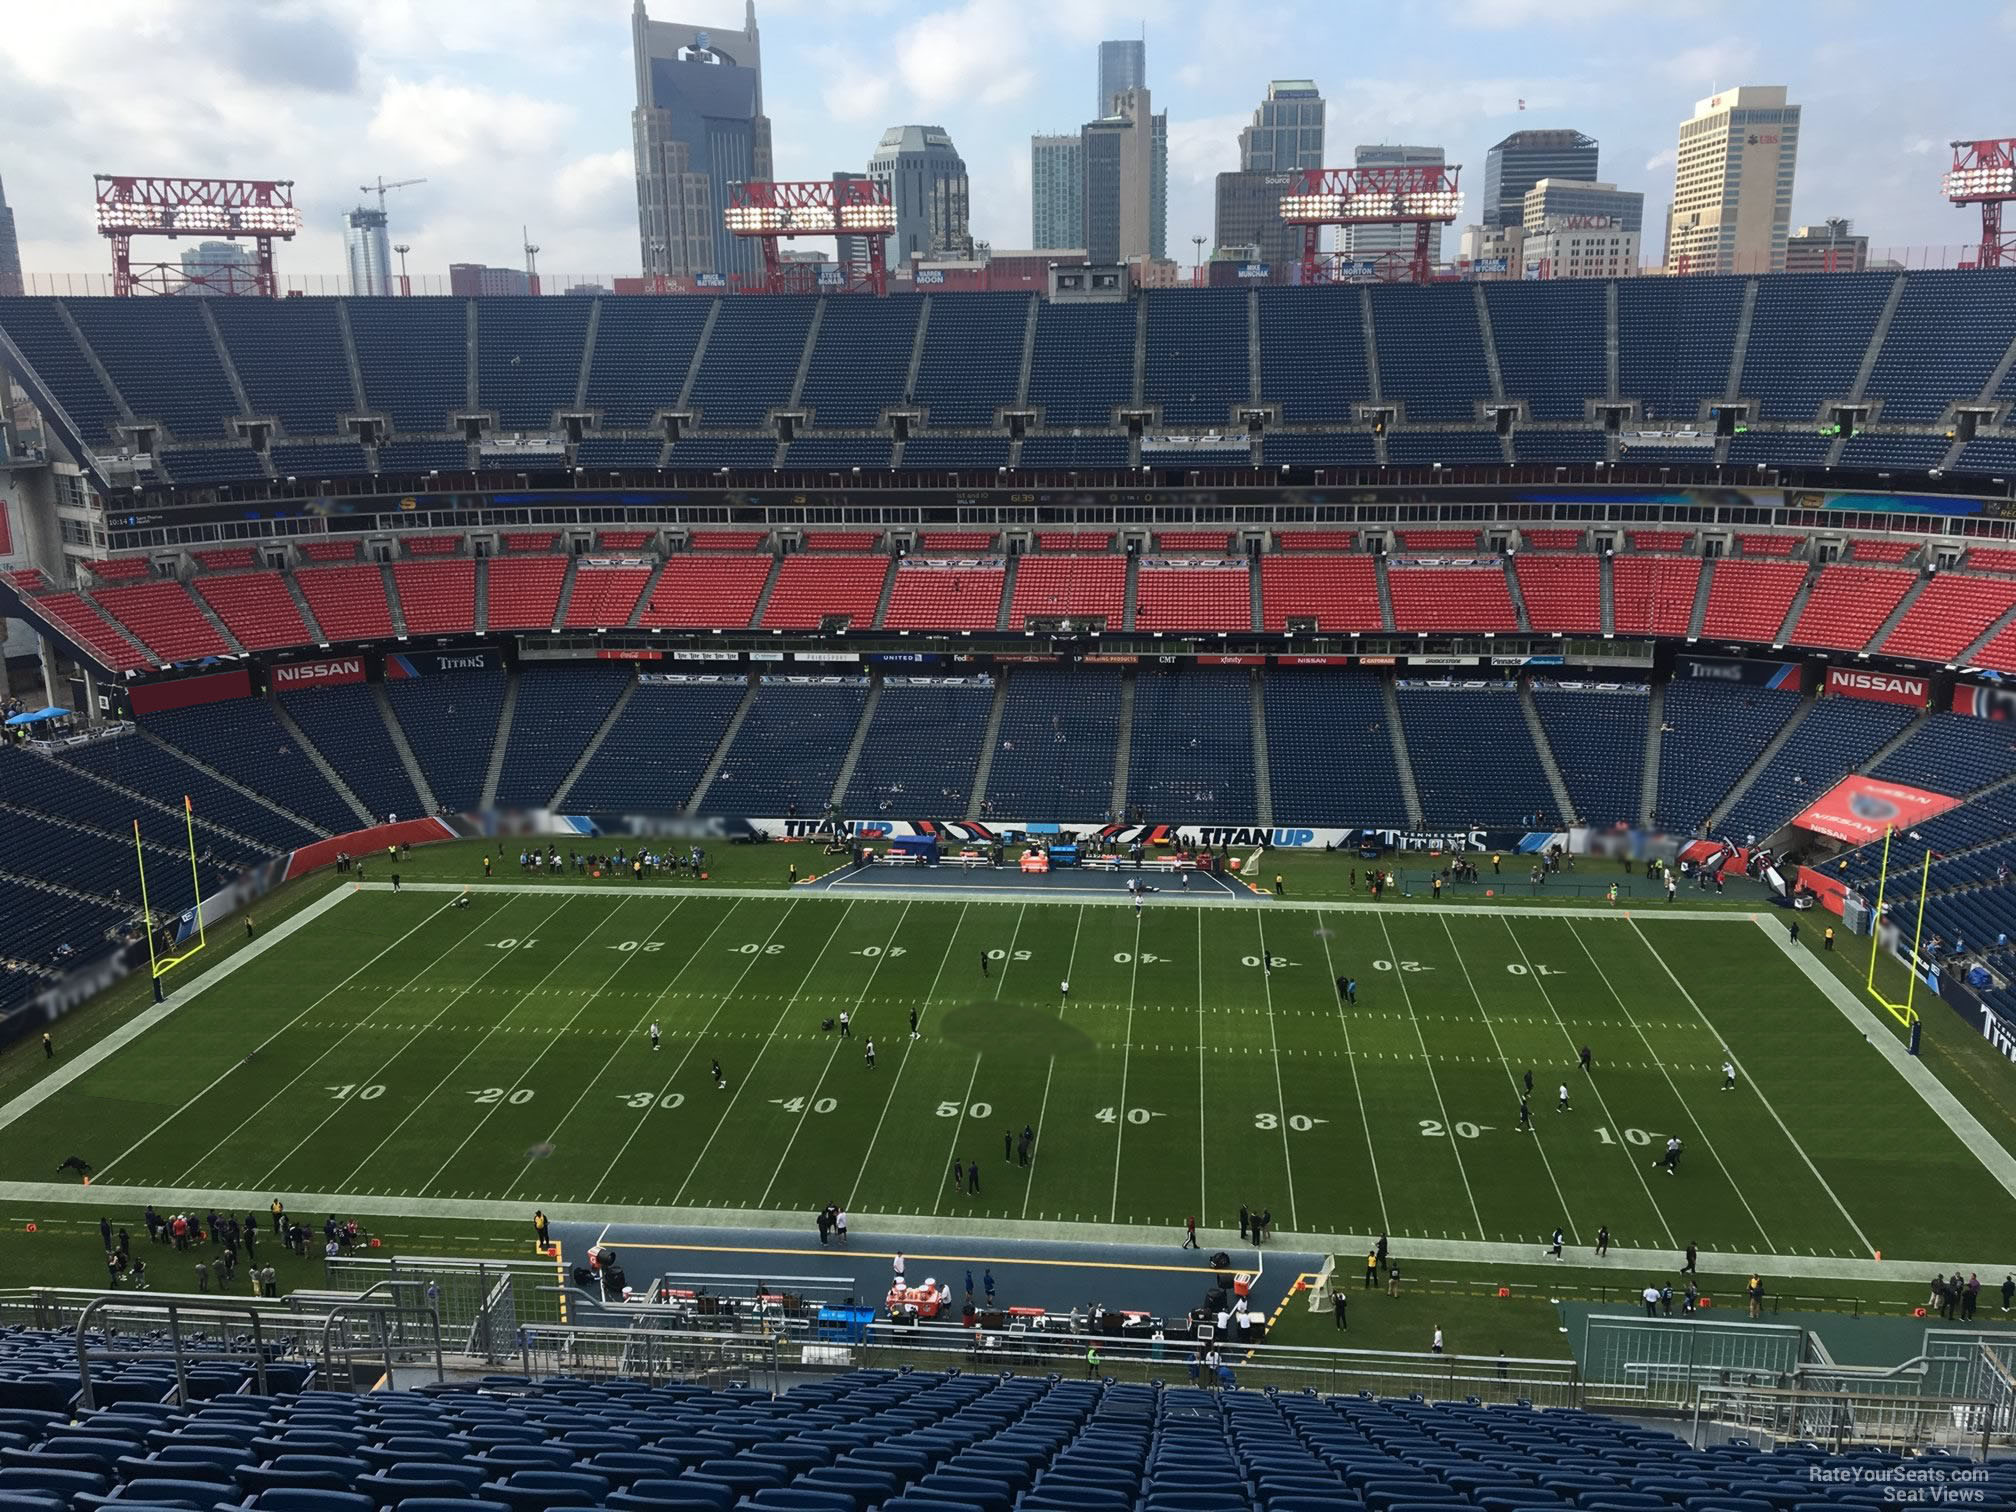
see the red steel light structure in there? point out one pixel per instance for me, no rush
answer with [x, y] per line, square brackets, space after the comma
[131, 205]
[1984, 174]
[772, 211]
[1420, 195]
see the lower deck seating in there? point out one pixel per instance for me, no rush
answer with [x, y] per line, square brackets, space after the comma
[921, 751]
[1713, 731]
[655, 753]
[144, 766]
[1323, 723]
[560, 707]
[1836, 738]
[347, 728]
[1060, 732]
[245, 740]
[1447, 730]
[450, 721]
[787, 754]
[1598, 741]
[1191, 756]
[1953, 753]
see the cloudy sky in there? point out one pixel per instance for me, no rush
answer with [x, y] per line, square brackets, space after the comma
[518, 111]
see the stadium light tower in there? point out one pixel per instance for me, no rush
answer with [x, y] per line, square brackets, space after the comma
[131, 205]
[1984, 174]
[819, 207]
[1420, 195]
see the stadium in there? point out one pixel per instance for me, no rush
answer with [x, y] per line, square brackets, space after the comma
[1457, 833]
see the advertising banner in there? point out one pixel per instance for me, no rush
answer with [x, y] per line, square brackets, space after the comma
[1859, 809]
[434, 663]
[333, 672]
[1984, 702]
[1880, 687]
[187, 692]
[1314, 661]
[1762, 674]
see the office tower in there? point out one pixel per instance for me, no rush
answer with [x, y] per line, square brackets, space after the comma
[1057, 190]
[927, 187]
[1831, 247]
[1524, 158]
[1363, 243]
[1122, 66]
[367, 251]
[219, 267]
[1285, 138]
[1287, 131]
[468, 280]
[1119, 180]
[1732, 185]
[698, 127]
[1559, 199]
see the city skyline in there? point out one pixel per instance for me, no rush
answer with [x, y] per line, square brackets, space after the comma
[332, 96]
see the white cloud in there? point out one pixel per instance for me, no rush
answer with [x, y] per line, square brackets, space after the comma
[437, 124]
[1526, 15]
[1663, 162]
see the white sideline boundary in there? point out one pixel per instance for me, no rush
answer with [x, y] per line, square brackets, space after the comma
[71, 1067]
[1632, 1264]
[1969, 1130]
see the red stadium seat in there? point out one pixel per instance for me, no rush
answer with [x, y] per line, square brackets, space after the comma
[1653, 595]
[603, 596]
[1069, 586]
[347, 602]
[930, 597]
[1562, 593]
[1849, 604]
[708, 592]
[1747, 601]
[524, 592]
[257, 607]
[1451, 598]
[1194, 597]
[809, 588]
[1339, 593]
[162, 617]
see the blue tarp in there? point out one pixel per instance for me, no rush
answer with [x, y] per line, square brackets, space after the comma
[36, 716]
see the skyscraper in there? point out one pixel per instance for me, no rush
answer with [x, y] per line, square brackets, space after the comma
[698, 127]
[1364, 242]
[367, 251]
[1057, 190]
[1286, 137]
[1732, 185]
[1287, 131]
[219, 267]
[10, 249]
[1522, 160]
[1122, 66]
[1120, 179]
[927, 187]
[1555, 199]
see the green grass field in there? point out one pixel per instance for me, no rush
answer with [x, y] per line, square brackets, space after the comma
[393, 1048]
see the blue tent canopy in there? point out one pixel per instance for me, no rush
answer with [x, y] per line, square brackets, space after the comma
[36, 716]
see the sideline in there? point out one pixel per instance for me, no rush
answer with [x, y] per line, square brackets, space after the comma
[1968, 1129]
[1108, 897]
[72, 1067]
[1633, 1263]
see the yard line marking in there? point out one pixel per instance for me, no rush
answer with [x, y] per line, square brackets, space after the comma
[500, 959]
[1365, 1118]
[1126, 1057]
[1280, 1092]
[650, 1014]
[517, 1081]
[1629, 1159]
[1037, 1154]
[908, 1045]
[1008, 960]
[1661, 1067]
[826, 1070]
[1442, 1103]
[749, 1076]
[952, 1148]
[192, 1102]
[1492, 1030]
[71, 1067]
[1751, 1083]
[1203, 1144]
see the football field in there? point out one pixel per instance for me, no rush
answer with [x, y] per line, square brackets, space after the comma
[394, 1048]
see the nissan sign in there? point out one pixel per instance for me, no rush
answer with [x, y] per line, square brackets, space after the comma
[341, 669]
[1882, 687]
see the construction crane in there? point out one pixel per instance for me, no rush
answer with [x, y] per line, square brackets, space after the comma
[381, 187]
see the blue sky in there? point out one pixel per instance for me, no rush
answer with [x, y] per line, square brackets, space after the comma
[518, 111]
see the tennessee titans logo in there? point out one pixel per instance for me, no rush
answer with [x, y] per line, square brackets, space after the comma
[1872, 806]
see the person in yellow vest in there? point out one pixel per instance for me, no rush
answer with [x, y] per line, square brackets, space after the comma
[1830, 937]
[1092, 1361]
